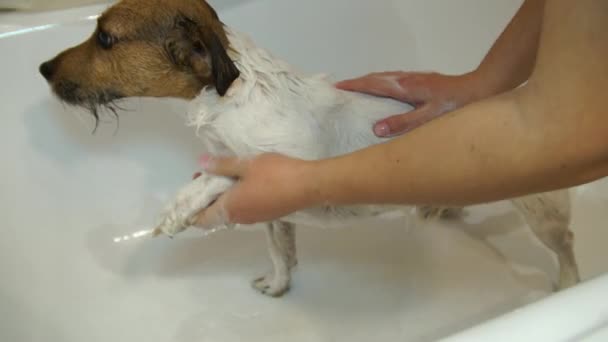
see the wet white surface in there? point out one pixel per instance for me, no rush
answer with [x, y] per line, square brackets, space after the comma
[72, 270]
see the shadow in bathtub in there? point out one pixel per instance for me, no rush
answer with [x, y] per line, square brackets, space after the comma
[359, 274]
[190, 255]
[365, 272]
[511, 240]
[411, 286]
[185, 256]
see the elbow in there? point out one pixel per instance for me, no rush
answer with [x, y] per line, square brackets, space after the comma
[568, 140]
[583, 156]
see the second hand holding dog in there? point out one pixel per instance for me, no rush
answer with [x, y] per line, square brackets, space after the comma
[432, 94]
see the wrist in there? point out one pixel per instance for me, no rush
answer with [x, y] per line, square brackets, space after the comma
[484, 83]
[318, 182]
[310, 178]
[476, 86]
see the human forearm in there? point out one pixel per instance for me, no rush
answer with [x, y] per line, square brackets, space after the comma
[484, 152]
[511, 59]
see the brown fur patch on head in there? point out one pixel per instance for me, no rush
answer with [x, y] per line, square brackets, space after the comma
[156, 48]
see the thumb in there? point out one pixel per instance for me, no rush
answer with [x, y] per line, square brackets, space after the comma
[224, 166]
[403, 123]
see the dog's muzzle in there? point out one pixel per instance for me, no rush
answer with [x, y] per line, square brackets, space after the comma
[47, 70]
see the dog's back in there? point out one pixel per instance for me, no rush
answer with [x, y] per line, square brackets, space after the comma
[274, 108]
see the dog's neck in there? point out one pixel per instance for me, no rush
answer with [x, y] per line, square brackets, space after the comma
[263, 77]
[272, 107]
[266, 83]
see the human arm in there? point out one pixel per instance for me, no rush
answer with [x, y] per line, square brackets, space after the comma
[497, 158]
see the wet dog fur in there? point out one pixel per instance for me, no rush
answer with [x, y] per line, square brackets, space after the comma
[181, 49]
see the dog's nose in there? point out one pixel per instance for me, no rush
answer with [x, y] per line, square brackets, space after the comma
[47, 69]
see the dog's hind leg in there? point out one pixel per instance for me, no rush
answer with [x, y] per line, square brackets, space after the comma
[286, 237]
[280, 237]
[548, 216]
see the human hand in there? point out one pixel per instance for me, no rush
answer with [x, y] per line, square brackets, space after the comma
[431, 94]
[269, 186]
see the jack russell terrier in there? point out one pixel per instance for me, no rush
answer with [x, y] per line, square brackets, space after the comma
[243, 102]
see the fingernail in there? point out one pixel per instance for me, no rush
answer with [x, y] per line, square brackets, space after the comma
[382, 129]
[205, 161]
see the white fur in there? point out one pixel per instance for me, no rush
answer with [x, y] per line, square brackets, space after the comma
[274, 108]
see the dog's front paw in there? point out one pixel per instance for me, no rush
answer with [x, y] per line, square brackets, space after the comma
[194, 197]
[174, 220]
[272, 285]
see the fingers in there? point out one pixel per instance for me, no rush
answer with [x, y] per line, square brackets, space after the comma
[379, 84]
[229, 166]
[412, 88]
[403, 123]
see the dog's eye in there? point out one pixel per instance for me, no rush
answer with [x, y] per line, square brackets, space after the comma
[105, 40]
[198, 48]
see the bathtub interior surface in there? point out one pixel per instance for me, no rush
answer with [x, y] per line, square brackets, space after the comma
[74, 267]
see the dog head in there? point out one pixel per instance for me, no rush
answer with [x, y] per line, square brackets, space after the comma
[145, 48]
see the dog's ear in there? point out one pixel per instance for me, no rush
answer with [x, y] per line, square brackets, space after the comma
[200, 51]
[223, 69]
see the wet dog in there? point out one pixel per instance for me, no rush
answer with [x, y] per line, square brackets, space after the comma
[244, 101]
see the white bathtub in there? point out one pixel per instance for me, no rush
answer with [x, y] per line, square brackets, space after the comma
[70, 202]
